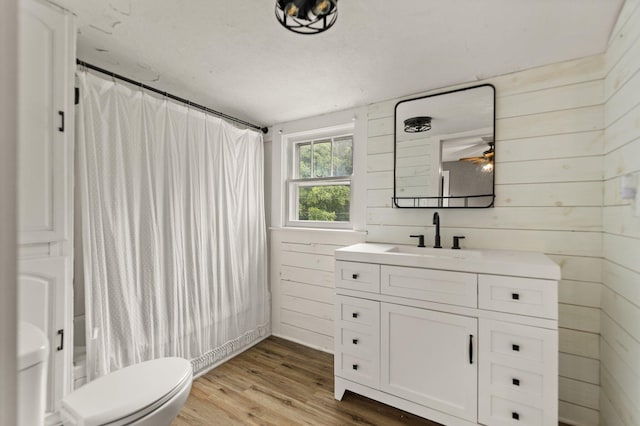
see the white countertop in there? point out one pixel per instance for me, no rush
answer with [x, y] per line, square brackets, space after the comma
[497, 262]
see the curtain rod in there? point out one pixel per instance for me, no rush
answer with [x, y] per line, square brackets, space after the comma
[175, 98]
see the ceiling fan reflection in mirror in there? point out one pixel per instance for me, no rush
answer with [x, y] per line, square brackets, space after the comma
[486, 160]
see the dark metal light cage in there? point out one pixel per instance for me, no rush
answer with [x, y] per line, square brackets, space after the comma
[307, 16]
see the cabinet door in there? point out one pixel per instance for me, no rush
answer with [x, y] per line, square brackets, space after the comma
[42, 295]
[430, 358]
[44, 124]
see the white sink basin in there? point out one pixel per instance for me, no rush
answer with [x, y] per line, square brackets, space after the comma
[434, 252]
[483, 261]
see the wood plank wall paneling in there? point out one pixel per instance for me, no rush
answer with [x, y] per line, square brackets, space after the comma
[549, 196]
[302, 283]
[620, 301]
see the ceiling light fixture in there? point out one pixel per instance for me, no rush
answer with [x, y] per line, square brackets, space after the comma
[307, 16]
[417, 124]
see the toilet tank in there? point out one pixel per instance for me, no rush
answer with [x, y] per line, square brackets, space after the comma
[33, 350]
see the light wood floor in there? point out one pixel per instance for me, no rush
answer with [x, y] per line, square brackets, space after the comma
[278, 382]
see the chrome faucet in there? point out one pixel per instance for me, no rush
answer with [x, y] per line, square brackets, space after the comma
[436, 222]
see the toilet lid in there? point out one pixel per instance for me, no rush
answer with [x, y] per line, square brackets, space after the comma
[132, 391]
[33, 346]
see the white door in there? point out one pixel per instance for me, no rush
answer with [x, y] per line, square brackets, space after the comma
[430, 358]
[44, 121]
[41, 301]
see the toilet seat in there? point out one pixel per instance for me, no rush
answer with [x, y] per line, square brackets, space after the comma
[33, 346]
[126, 395]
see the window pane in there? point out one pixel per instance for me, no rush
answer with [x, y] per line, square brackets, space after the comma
[343, 156]
[324, 203]
[322, 158]
[304, 160]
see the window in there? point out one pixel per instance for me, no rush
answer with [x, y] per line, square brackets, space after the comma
[320, 182]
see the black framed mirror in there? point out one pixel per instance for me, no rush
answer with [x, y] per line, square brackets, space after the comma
[444, 150]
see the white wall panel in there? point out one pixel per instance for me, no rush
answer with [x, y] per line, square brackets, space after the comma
[547, 171]
[620, 316]
[302, 283]
[579, 343]
[579, 393]
[552, 146]
[608, 415]
[553, 99]
[580, 368]
[580, 293]
[550, 123]
[556, 194]
[625, 159]
[578, 268]
[577, 415]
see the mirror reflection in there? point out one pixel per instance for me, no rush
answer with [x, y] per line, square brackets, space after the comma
[444, 150]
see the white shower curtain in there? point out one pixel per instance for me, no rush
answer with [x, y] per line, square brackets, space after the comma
[173, 230]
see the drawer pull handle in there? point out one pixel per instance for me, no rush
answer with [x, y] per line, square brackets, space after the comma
[354, 276]
[515, 296]
[515, 348]
[355, 341]
[471, 349]
[516, 382]
[354, 315]
[355, 366]
[515, 416]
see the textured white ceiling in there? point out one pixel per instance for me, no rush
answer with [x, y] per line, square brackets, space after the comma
[235, 57]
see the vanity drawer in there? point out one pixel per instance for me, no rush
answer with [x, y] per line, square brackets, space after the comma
[522, 384]
[524, 296]
[495, 410]
[359, 369]
[523, 345]
[357, 314]
[357, 342]
[358, 276]
[508, 349]
[455, 288]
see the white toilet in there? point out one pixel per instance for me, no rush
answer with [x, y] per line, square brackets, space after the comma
[147, 394]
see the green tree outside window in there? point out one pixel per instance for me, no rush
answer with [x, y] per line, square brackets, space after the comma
[325, 158]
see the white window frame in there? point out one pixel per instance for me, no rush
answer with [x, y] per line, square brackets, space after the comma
[292, 183]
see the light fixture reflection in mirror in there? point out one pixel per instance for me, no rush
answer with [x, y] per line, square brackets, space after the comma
[452, 162]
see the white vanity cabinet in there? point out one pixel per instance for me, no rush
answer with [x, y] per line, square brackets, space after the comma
[451, 339]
